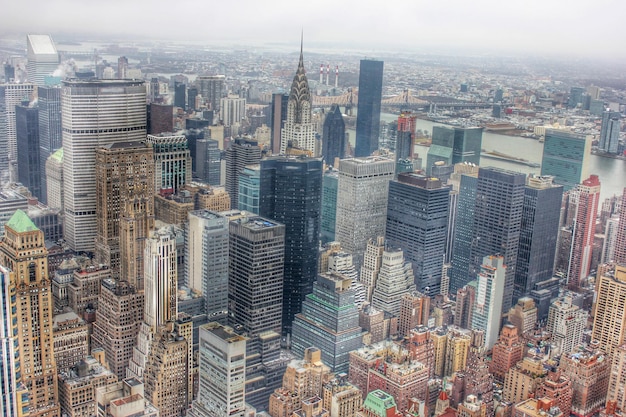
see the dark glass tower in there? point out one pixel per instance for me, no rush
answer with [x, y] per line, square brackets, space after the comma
[50, 136]
[330, 321]
[368, 116]
[497, 222]
[538, 235]
[255, 290]
[417, 221]
[27, 133]
[454, 145]
[291, 193]
[279, 115]
[334, 138]
[463, 233]
[330, 184]
[180, 94]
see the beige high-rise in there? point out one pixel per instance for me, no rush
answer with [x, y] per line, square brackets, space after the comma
[24, 252]
[609, 311]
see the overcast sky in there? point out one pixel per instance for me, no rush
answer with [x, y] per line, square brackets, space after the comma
[581, 27]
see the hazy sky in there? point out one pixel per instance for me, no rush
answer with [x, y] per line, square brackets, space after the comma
[589, 27]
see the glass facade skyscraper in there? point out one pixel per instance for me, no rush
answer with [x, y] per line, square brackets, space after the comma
[330, 182]
[453, 145]
[28, 163]
[368, 115]
[464, 229]
[565, 157]
[538, 234]
[417, 214]
[497, 222]
[291, 193]
[334, 137]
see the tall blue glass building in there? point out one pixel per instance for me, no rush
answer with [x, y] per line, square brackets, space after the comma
[330, 183]
[453, 145]
[368, 116]
[291, 193]
[464, 232]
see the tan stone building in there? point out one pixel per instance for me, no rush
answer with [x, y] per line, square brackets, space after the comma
[523, 379]
[71, 340]
[166, 376]
[23, 251]
[523, 315]
[609, 311]
[84, 291]
[124, 177]
[77, 387]
[589, 370]
[124, 399]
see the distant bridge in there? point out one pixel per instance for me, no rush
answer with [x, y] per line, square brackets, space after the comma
[404, 100]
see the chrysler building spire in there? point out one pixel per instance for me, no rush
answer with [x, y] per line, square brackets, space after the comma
[298, 130]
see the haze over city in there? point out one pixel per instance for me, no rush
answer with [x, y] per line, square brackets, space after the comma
[581, 28]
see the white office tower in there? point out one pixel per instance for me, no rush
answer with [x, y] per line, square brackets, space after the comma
[160, 286]
[43, 58]
[10, 96]
[222, 374]
[372, 260]
[206, 260]
[362, 194]
[94, 113]
[341, 263]
[395, 279]
[232, 110]
[488, 302]
[566, 323]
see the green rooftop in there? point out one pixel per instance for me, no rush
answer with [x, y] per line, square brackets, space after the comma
[58, 155]
[21, 223]
[378, 402]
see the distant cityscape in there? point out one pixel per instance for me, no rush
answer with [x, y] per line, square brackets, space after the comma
[228, 233]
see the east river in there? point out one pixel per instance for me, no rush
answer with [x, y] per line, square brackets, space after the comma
[612, 172]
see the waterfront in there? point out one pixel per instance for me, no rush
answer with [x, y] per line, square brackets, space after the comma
[612, 172]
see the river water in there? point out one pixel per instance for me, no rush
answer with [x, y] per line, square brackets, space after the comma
[612, 172]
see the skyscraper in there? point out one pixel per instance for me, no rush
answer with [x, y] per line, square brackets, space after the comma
[334, 136]
[497, 222]
[11, 95]
[565, 157]
[211, 88]
[180, 95]
[609, 310]
[255, 300]
[290, 193]
[27, 136]
[95, 113]
[50, 137]
[279, 116]
[362, 195]
[23, 251]
[405, 136]
[584, 200]
[43, 58]
[240, 153]
[330, 182]
[609, 132]
[117, 166]
[232, 110]
[488, 302]
[172, 159]
[206, 260]
[538, 234]
[620, 238]
[329, 321]
[13, 394]
[395, 279]
[368, 110]
[209, 161]
[298, 131]
[417, 215]
[250, 188]
[464, 232]
[221, 391]
[454, 145]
